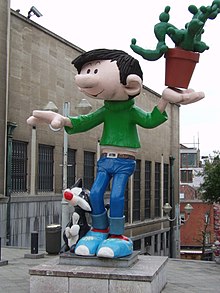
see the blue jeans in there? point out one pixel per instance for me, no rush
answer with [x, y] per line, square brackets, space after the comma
[107, 168]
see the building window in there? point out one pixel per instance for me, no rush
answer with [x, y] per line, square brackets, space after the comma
[137, 191]
[156, 243]
[137, 244]
[157, 211]
[207, 238]
[147, 245]
[89, 174]
[188, 160]
[19, 166]
[147, 211]
[147, 241]
[167, 239]
[71, 167]
[165, 183]
[45, 168]
[126, 203]
[182, 218]
[161, 241]
[207, 218]
[186, 176]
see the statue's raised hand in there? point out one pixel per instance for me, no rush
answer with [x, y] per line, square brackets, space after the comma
[182, 97]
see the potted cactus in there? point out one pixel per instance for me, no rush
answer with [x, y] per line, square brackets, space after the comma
[180, 60]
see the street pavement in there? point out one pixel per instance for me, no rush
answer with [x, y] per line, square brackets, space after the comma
[182, 275]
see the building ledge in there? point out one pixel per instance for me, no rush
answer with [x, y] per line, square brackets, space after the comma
[36, 198]
[145, 222]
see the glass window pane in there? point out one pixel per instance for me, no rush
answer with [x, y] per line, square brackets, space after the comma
[188, 160]
[157, 211]
[165, 183]
[45, 168]
[147, 211]
[19, 166]
[137, 244]
[126, 203]
[89, 165]
[136, 191]
[186, 176]
[71, 167]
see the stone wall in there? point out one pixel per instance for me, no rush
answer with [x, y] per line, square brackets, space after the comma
[3, 219]
[28, 214]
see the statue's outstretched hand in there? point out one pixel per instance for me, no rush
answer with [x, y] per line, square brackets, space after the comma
[182, 97]
[56, 120]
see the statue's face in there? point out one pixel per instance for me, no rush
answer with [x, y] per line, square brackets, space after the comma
[100, 79]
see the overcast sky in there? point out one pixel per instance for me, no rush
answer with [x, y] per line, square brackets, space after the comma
[91, 24]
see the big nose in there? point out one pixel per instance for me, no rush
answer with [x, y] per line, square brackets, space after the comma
[86, 80]
[68, 195]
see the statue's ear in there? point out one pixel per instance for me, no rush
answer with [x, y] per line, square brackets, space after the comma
[78, 183]
[133, 85]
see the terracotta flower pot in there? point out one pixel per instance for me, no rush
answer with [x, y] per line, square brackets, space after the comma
[180, 65]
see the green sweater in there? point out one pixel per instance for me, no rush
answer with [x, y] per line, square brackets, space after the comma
[120, 123]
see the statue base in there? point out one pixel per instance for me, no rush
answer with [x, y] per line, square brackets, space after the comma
[68, 258]
[34, 255]
[3, 262]
[143, 274]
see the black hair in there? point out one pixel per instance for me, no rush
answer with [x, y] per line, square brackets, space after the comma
[126, 64]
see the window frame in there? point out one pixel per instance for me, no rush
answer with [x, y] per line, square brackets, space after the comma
[147, 190]
[45, 168]
[157, 190]
[19, 166]
[137, 192]
[71, 167]
[89, 169]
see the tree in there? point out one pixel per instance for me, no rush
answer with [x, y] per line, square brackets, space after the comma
[205, 232]
[210, 188]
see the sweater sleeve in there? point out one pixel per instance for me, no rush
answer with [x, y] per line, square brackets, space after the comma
[150, 119]
[83, 123]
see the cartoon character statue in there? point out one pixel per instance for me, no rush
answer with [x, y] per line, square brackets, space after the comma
[115, 77]
[78, 197]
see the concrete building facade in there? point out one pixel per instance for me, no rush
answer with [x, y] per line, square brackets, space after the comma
[36, 69]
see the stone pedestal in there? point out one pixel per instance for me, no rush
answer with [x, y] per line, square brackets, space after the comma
[34, 256]
[146, 275]
[3, 262]
[123, 262]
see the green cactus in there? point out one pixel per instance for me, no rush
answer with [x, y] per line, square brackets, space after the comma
[188, 39]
